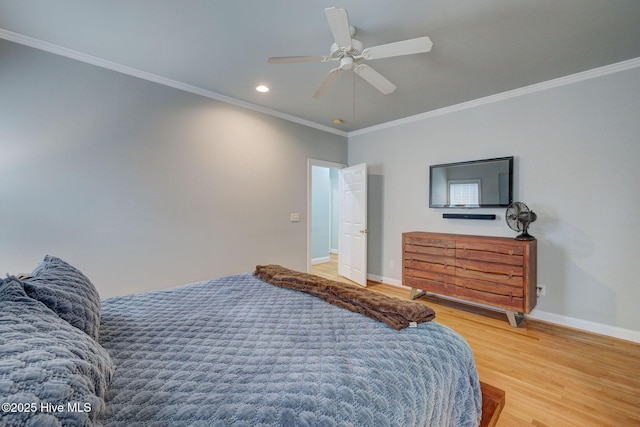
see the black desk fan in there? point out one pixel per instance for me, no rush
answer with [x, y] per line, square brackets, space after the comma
[519, 217]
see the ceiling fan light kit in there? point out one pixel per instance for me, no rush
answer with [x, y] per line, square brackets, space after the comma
[349, 52]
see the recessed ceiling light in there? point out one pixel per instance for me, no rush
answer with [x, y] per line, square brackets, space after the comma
[262, 89]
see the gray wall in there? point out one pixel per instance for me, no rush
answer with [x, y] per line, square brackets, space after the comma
[577, 154]
[143, 186]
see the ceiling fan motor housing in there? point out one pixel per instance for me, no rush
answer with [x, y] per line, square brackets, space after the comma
[337, 52]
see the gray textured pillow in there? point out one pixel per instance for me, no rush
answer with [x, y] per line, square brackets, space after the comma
[69, 293]
[46, 361]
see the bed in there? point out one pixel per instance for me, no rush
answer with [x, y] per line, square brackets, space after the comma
[230, 351]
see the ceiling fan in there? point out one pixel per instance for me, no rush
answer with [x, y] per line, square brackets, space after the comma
[349, 53]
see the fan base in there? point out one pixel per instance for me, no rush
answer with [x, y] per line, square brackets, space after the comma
[525, 236]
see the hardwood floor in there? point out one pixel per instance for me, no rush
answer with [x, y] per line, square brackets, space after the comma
[553, 376]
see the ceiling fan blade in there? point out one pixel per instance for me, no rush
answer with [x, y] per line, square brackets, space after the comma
[290, 59]
[340, 28]
[374, 78]
[405, 47]
[327, 82]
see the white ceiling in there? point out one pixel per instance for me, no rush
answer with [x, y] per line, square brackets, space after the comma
[481, 47]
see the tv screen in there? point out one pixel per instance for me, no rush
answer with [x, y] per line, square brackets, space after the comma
[475, 184]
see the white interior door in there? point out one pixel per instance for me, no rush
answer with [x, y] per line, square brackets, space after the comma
[352, 258]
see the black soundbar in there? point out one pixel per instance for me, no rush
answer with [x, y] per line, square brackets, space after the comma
[468, 216]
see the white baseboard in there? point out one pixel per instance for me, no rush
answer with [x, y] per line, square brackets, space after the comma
[320, 260]
[381, 279]
[586, 325]
[557, 319]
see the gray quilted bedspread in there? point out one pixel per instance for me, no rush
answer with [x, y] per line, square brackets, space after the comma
[238, 351]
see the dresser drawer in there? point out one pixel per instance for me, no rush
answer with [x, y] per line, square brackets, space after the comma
[490, 271]
[487, 292]
[429, 285]
[439, 247]
[512, 255]
[417, 267]
[506, 302]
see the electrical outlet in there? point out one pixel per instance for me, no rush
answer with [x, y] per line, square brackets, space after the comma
[392, 263]
[541, 290]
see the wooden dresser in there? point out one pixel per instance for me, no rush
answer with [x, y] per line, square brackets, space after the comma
[495, 271]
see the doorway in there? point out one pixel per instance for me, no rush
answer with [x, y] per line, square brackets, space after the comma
[337, 219]
[323, 214]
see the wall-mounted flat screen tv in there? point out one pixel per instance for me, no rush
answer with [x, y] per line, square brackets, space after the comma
[475, 184]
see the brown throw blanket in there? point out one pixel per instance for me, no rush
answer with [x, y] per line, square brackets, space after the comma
[394, 312]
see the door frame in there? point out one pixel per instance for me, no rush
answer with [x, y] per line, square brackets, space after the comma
[310, 164]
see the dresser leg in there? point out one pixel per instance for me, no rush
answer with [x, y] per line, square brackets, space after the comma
[514, 318]
[415, 294]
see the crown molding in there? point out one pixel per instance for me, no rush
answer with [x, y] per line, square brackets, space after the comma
[114, 66]
[538, 87]
[134, 72]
